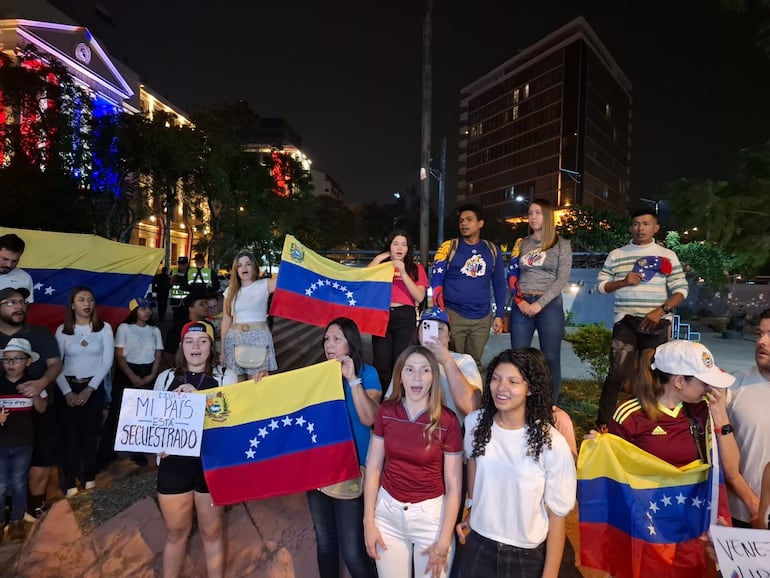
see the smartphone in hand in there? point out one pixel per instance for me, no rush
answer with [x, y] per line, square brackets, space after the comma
[429, 332]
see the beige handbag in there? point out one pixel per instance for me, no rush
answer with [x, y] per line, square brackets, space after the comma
[346, 490]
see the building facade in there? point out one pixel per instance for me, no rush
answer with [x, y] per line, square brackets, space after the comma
[553, 122]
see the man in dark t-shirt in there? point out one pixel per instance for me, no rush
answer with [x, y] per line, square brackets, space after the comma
[13, 314]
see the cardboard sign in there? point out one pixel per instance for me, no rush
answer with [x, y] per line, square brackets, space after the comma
[742, 553]
[161, 421]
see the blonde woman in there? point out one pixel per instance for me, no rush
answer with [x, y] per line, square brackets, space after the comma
[248, 345]
[413, 473]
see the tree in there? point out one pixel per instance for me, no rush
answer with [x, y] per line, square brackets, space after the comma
[730, 214]
[701, 259]
[595, 231]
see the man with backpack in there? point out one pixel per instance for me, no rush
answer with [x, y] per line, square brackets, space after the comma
[466, 271]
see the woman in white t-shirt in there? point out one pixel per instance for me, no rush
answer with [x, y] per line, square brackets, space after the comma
[521, 474]
[87, 350]
[248, 344]
[138, 349]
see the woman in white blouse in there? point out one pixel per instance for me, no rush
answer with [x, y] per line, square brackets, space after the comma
[245, 333]
[87, 349]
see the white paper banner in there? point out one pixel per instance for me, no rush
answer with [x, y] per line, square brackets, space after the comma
[742, 553]
[161, 421]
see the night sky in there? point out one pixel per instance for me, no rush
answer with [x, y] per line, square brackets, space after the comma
[347, 75]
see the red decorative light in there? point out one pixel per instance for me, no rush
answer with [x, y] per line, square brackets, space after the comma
[280, 174]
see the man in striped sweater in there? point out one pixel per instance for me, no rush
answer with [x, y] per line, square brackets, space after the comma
[649, 282]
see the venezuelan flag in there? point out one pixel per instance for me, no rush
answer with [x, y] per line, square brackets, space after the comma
[289, 433]
[57, 262]
[315, 290]
[640, 516]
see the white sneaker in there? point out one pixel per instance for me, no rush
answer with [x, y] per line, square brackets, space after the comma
[90, 485]
[71, 492]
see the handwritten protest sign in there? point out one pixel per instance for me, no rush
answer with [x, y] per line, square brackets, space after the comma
[742, 553]
[161, 421]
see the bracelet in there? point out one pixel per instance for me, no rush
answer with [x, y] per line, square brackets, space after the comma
[437, 553]
[354, 382]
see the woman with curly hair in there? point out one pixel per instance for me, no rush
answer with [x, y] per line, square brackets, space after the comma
[413, 474]
[521, 476]
[247, 343]
[409, 286]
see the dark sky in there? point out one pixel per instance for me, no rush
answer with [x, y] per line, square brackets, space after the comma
[346, 75]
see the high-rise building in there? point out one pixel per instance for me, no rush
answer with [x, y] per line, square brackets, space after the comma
[552, 122]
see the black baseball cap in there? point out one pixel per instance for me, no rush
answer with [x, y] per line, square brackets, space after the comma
[8, 291]
[182, 260]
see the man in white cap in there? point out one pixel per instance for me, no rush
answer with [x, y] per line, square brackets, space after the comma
[11, 248]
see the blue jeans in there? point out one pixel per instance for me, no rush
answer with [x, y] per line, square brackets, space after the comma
[485, 558]
[550, 330]
[339, 527]
[14, 468]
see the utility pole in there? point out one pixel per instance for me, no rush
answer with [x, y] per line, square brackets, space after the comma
[442, 193]
[427, 96]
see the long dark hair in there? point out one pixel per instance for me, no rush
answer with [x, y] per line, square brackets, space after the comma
[538, 411]
[409, 263]
[352, 336]
[69, 314]
[212, 362]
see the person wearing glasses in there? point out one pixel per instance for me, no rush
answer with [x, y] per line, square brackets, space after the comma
[17, 431]
[42, 373]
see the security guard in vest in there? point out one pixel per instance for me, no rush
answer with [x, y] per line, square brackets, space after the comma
[179, 289]
[199, 277]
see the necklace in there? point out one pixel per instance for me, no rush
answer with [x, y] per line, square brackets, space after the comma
[82, 331]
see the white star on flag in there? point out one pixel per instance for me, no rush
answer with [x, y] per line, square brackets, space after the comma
[666, 500]
[287, 421]
[263, 432]
[273, 424]
[250, 453]
[49, 290]
[300, 420]
[254, 442]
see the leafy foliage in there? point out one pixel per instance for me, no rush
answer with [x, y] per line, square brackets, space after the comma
[701, 259]
[591, 344]
[590, 230]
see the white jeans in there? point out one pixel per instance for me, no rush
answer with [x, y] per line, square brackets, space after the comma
[407, 530]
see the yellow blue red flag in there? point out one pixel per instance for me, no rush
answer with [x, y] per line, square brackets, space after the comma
[57, 262]
[316, 290]
[640, 516]
[288, 433]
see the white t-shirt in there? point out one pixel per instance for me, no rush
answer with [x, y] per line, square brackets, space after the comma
[165, 377]
[467, 366]
[18, 278]
[747, 408]
[512, 492]
[139, 343]
[251, 303]
[85, 354]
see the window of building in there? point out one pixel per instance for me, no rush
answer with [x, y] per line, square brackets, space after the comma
[516, 96]
[526, 90]
[608, 111]
[515, 112]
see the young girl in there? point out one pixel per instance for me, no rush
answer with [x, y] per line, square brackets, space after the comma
[409, 285]
[244, 319]
[544, 265]
[521, 475]
[181, 485]
[17, 430]
[413, 474]
[138, 349]
[87, 350]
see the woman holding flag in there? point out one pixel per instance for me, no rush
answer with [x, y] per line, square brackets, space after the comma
[679, 397]
[246, 339]
[181, 484]
[338, 522]
[409, 286]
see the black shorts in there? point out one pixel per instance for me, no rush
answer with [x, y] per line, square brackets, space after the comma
[46, 439]
[181, 474]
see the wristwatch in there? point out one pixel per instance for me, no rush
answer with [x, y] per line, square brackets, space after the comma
[725, 429]
[666, 308]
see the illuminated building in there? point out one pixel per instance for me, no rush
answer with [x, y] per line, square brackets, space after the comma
[552, 122]
[325, 185]
[32, 33]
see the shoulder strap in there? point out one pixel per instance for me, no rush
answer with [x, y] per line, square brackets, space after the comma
[492, 249]
[452, 250]
[698, 435]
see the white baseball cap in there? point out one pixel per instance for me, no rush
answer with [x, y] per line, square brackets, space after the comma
[680, 357]
[22, 345]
